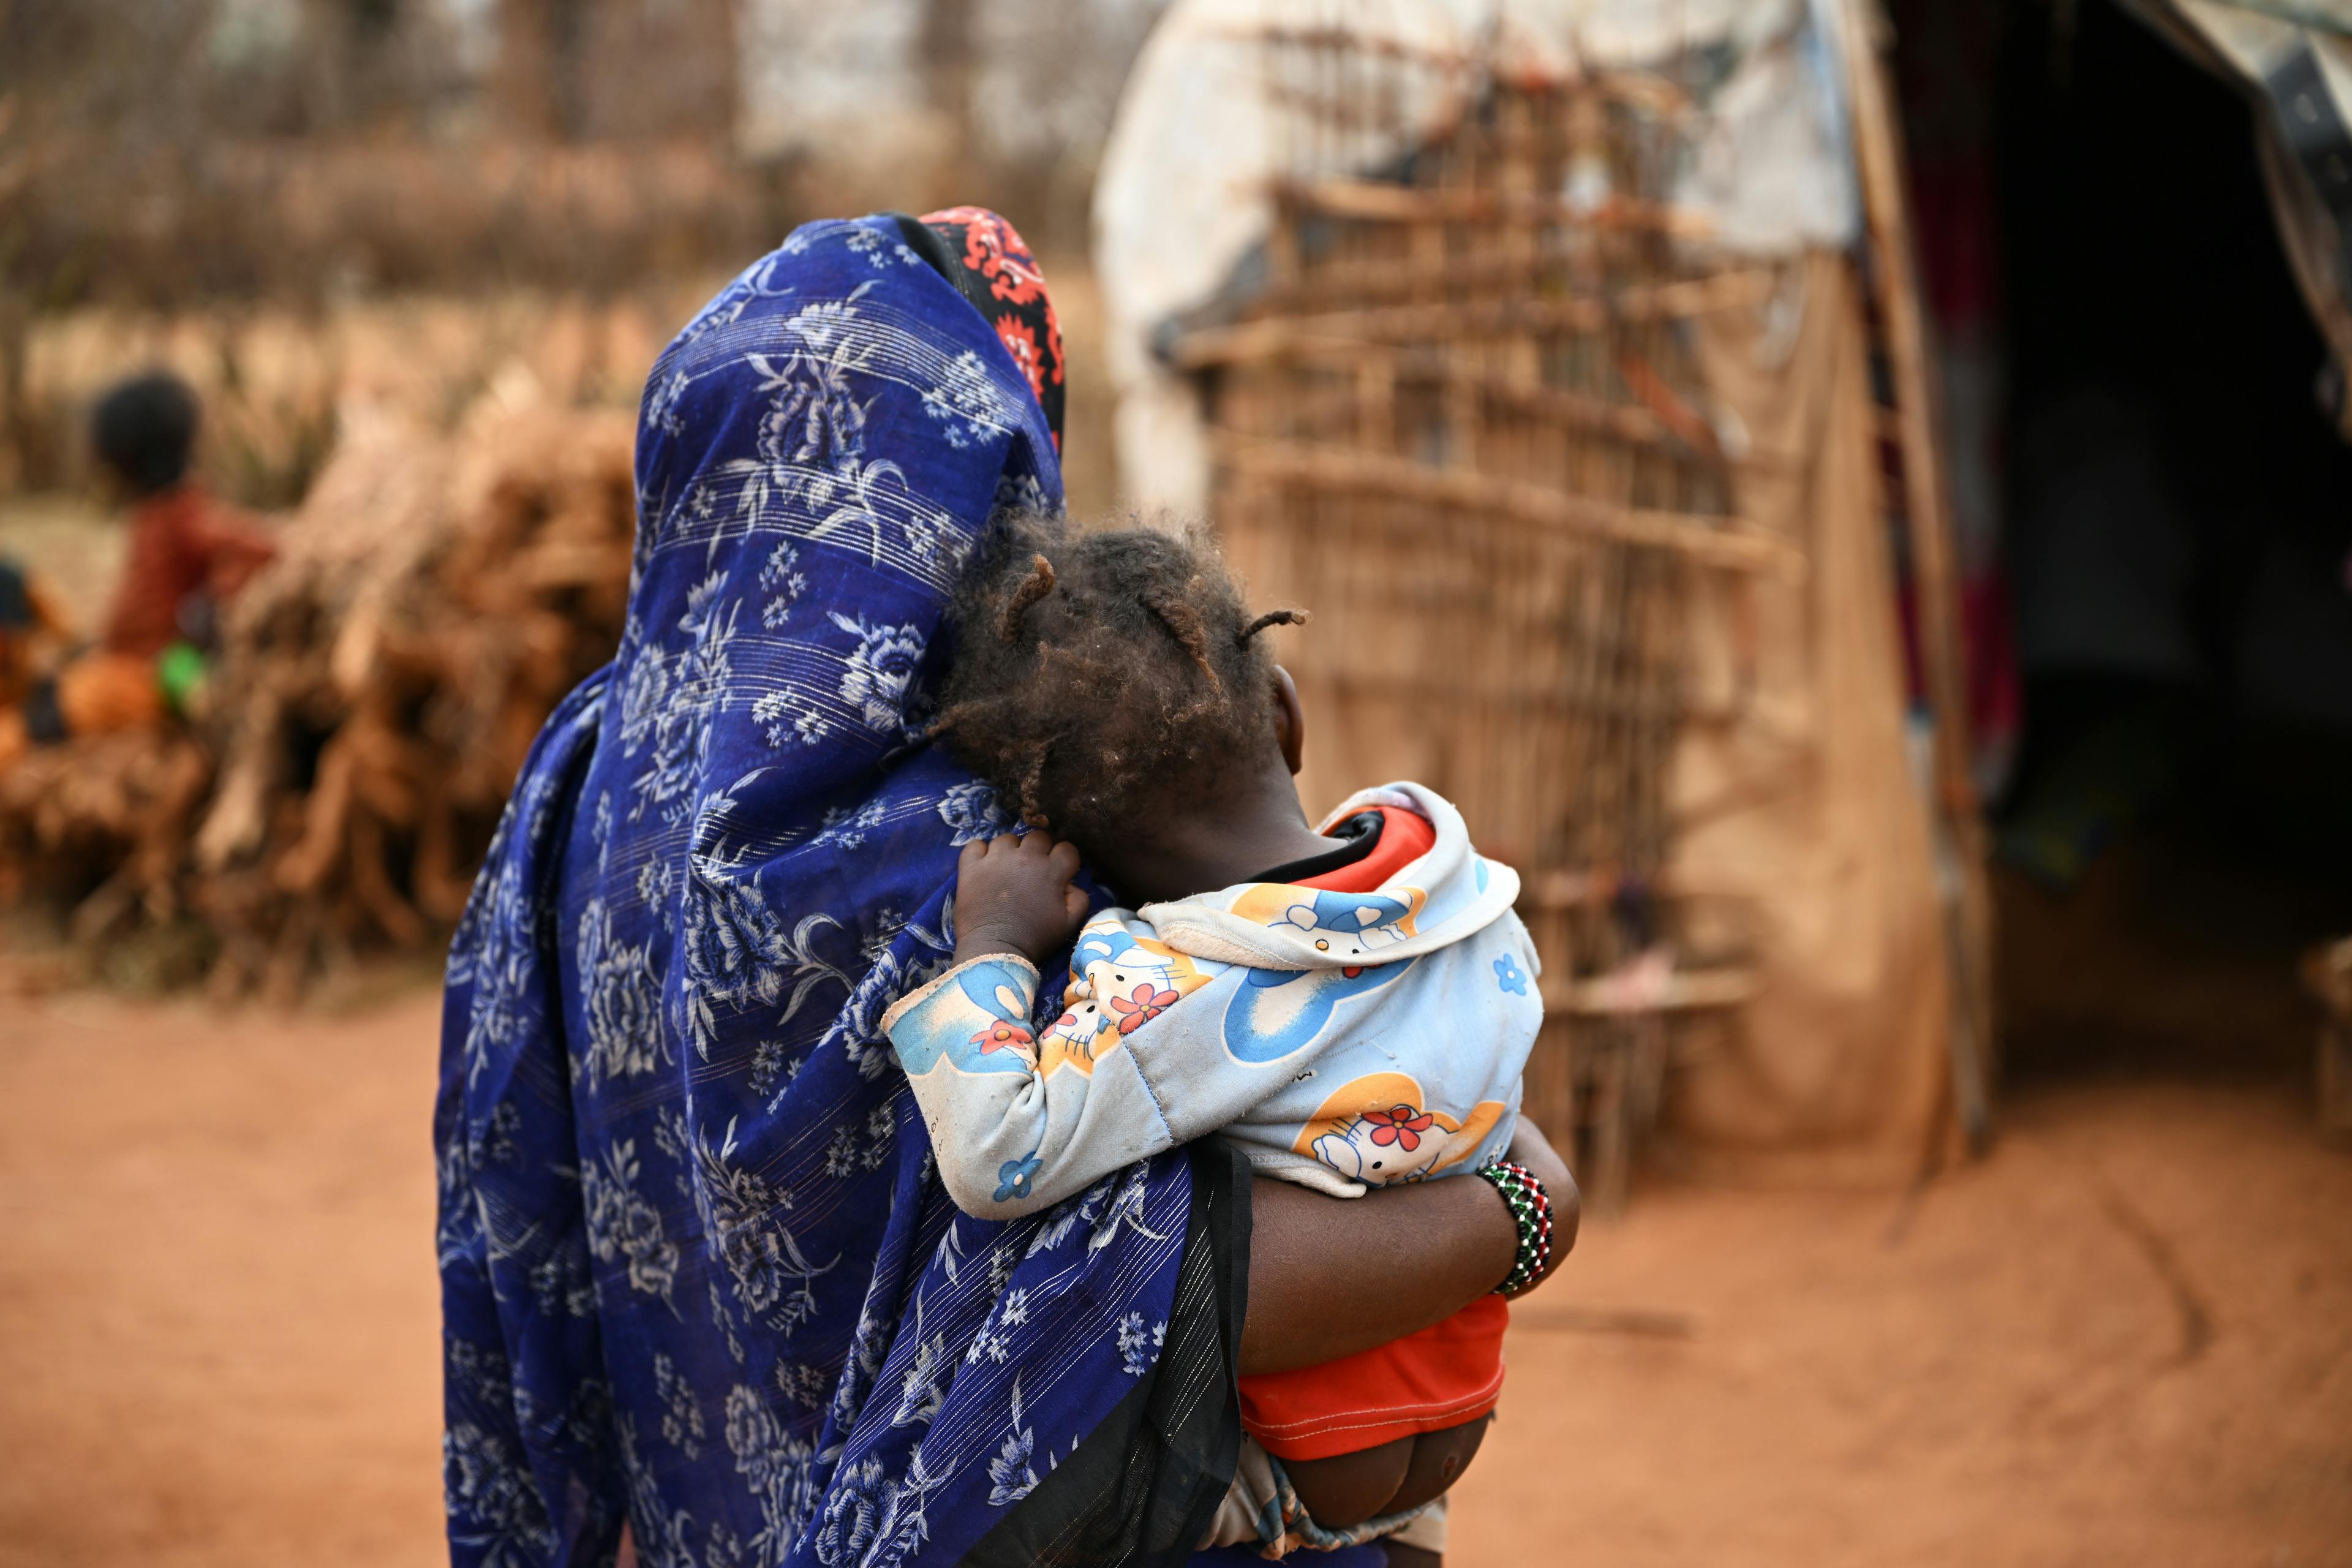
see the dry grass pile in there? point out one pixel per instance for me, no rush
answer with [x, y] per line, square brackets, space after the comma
[377, 690]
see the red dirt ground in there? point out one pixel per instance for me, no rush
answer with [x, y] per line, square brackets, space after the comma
[2127, 1338]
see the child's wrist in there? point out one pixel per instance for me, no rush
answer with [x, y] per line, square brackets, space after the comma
[972, 945]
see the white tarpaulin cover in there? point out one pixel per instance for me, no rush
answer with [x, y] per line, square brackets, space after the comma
[1180, 199]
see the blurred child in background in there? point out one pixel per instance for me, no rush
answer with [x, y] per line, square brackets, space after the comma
[188, 554]
[32, 626]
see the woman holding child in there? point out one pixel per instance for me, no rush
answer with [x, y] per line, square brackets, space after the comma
[704, 1286]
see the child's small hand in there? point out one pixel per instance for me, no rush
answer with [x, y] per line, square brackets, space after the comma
[1013, 895]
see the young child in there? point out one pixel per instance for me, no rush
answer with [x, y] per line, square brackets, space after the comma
[1352, 1005]
[187, 555]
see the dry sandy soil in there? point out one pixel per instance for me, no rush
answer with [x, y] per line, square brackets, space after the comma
[2124, 1339]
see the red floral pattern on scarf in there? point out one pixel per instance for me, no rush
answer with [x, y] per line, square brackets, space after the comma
[995, 248]
[992, 251]
[1023, 345]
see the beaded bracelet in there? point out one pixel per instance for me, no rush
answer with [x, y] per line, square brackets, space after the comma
[1531, 1211]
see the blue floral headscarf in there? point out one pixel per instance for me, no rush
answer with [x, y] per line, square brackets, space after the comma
[697, 1269]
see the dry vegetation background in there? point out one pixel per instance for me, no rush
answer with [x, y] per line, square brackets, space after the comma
[416, 257]
[268, 192]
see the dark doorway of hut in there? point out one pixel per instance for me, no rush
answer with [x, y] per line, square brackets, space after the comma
[2153, 506]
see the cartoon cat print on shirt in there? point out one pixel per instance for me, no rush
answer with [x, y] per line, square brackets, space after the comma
[1118, 982]
[1280, 1011]
[1345, 925]
[1401, 1143]
[1380, 1128]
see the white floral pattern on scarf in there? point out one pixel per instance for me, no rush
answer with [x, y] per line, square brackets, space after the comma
[698, 1271]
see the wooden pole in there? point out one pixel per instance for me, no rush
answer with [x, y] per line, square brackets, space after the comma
[1959, 825]
[526, 84]
[1729, 543]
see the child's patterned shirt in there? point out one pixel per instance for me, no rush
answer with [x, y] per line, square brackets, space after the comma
[1344, 1039]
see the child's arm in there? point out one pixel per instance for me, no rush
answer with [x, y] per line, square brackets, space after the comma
[234, 546]
[1010, 1140]
[1018, 1121]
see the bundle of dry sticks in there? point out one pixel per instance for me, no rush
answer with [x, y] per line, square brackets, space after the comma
[375, 693]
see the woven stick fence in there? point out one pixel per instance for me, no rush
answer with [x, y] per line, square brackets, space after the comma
[1462, 421]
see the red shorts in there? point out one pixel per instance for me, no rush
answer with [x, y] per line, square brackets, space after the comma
[1449, 1374]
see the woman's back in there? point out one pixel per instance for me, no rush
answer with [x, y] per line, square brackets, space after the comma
[696, 1265]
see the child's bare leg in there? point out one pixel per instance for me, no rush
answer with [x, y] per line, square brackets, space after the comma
[1349, 1489]
[1438, 1460]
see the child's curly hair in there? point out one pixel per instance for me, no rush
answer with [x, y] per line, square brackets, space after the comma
[1095, 671]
